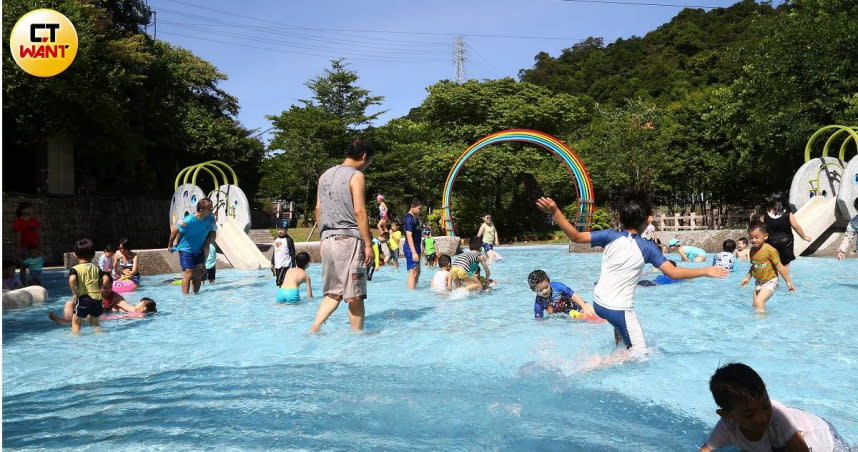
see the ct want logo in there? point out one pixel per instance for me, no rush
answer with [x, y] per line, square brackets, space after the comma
[43, 42]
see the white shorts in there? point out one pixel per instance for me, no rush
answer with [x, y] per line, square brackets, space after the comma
[771, 285]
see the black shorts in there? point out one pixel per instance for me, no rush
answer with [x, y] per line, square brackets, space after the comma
[281, 274]
[86, 305]
[431, 258]
[210, 273]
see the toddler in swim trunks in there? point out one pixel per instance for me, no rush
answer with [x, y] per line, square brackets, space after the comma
[293, 279]
[765, 266]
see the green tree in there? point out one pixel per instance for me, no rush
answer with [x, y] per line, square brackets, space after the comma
[310, 138]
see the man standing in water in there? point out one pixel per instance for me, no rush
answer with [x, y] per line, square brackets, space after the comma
[346, 247]
[194, 233]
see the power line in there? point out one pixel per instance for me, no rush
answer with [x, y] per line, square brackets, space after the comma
[620, 2]
[352, 30]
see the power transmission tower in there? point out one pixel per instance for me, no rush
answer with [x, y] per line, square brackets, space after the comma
[459, 56]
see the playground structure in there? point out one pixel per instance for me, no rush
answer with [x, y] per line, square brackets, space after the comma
[230, 207]
[824, 188]
[575, 167]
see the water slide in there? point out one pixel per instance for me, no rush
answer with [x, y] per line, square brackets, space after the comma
[236, 245]
[815, 217]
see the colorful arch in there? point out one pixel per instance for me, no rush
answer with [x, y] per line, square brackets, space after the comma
[550, 143]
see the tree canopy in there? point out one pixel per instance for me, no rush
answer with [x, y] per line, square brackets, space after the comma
[135, 109]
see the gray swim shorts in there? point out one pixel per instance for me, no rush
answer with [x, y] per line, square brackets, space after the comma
[343, 272]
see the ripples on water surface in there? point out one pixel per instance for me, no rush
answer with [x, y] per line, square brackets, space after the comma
[233, 370]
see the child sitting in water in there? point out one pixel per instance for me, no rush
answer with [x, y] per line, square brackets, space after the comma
[753, 422]
[765, 266]
[105, 262]
[726, 258]
[555, 297]
[743, 253]
[10, 280]
[443, 280]
[293, 279]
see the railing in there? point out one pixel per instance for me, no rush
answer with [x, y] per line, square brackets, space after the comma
[696, 222]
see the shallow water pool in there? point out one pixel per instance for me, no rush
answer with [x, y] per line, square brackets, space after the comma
[230, 369]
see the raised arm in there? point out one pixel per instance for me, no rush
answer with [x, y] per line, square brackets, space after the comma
[548, 206]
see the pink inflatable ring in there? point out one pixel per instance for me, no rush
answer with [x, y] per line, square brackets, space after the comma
[122, 286]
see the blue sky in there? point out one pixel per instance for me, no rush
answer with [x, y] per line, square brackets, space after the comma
[270, 49]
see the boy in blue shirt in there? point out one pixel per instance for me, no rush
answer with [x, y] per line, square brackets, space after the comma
[553, 296]
[625, 254]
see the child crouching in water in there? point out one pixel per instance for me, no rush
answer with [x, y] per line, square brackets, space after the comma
[765, 266]
[443, 280]
[751, 421]
[293, 279]
[625, 255]
[555, 297]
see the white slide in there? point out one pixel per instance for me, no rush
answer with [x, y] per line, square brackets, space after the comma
[815, 217]
[236, 245]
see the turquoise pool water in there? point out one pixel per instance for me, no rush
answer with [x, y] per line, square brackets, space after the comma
[231, 370]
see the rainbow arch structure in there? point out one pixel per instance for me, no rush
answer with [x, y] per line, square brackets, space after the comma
[550, 143]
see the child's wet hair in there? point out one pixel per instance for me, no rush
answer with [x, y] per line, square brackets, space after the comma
[108, 248]
[733, 383]
[729, 245]
[743, 240]
[149, 304]
[385, 235]
[444, 260]
[758, 226]
[84, 249]
[535, 277]
[302, 259]
[475, 243]
[634, 207]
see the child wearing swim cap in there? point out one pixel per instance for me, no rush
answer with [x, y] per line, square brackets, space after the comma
[688, 253]
[382, 215]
